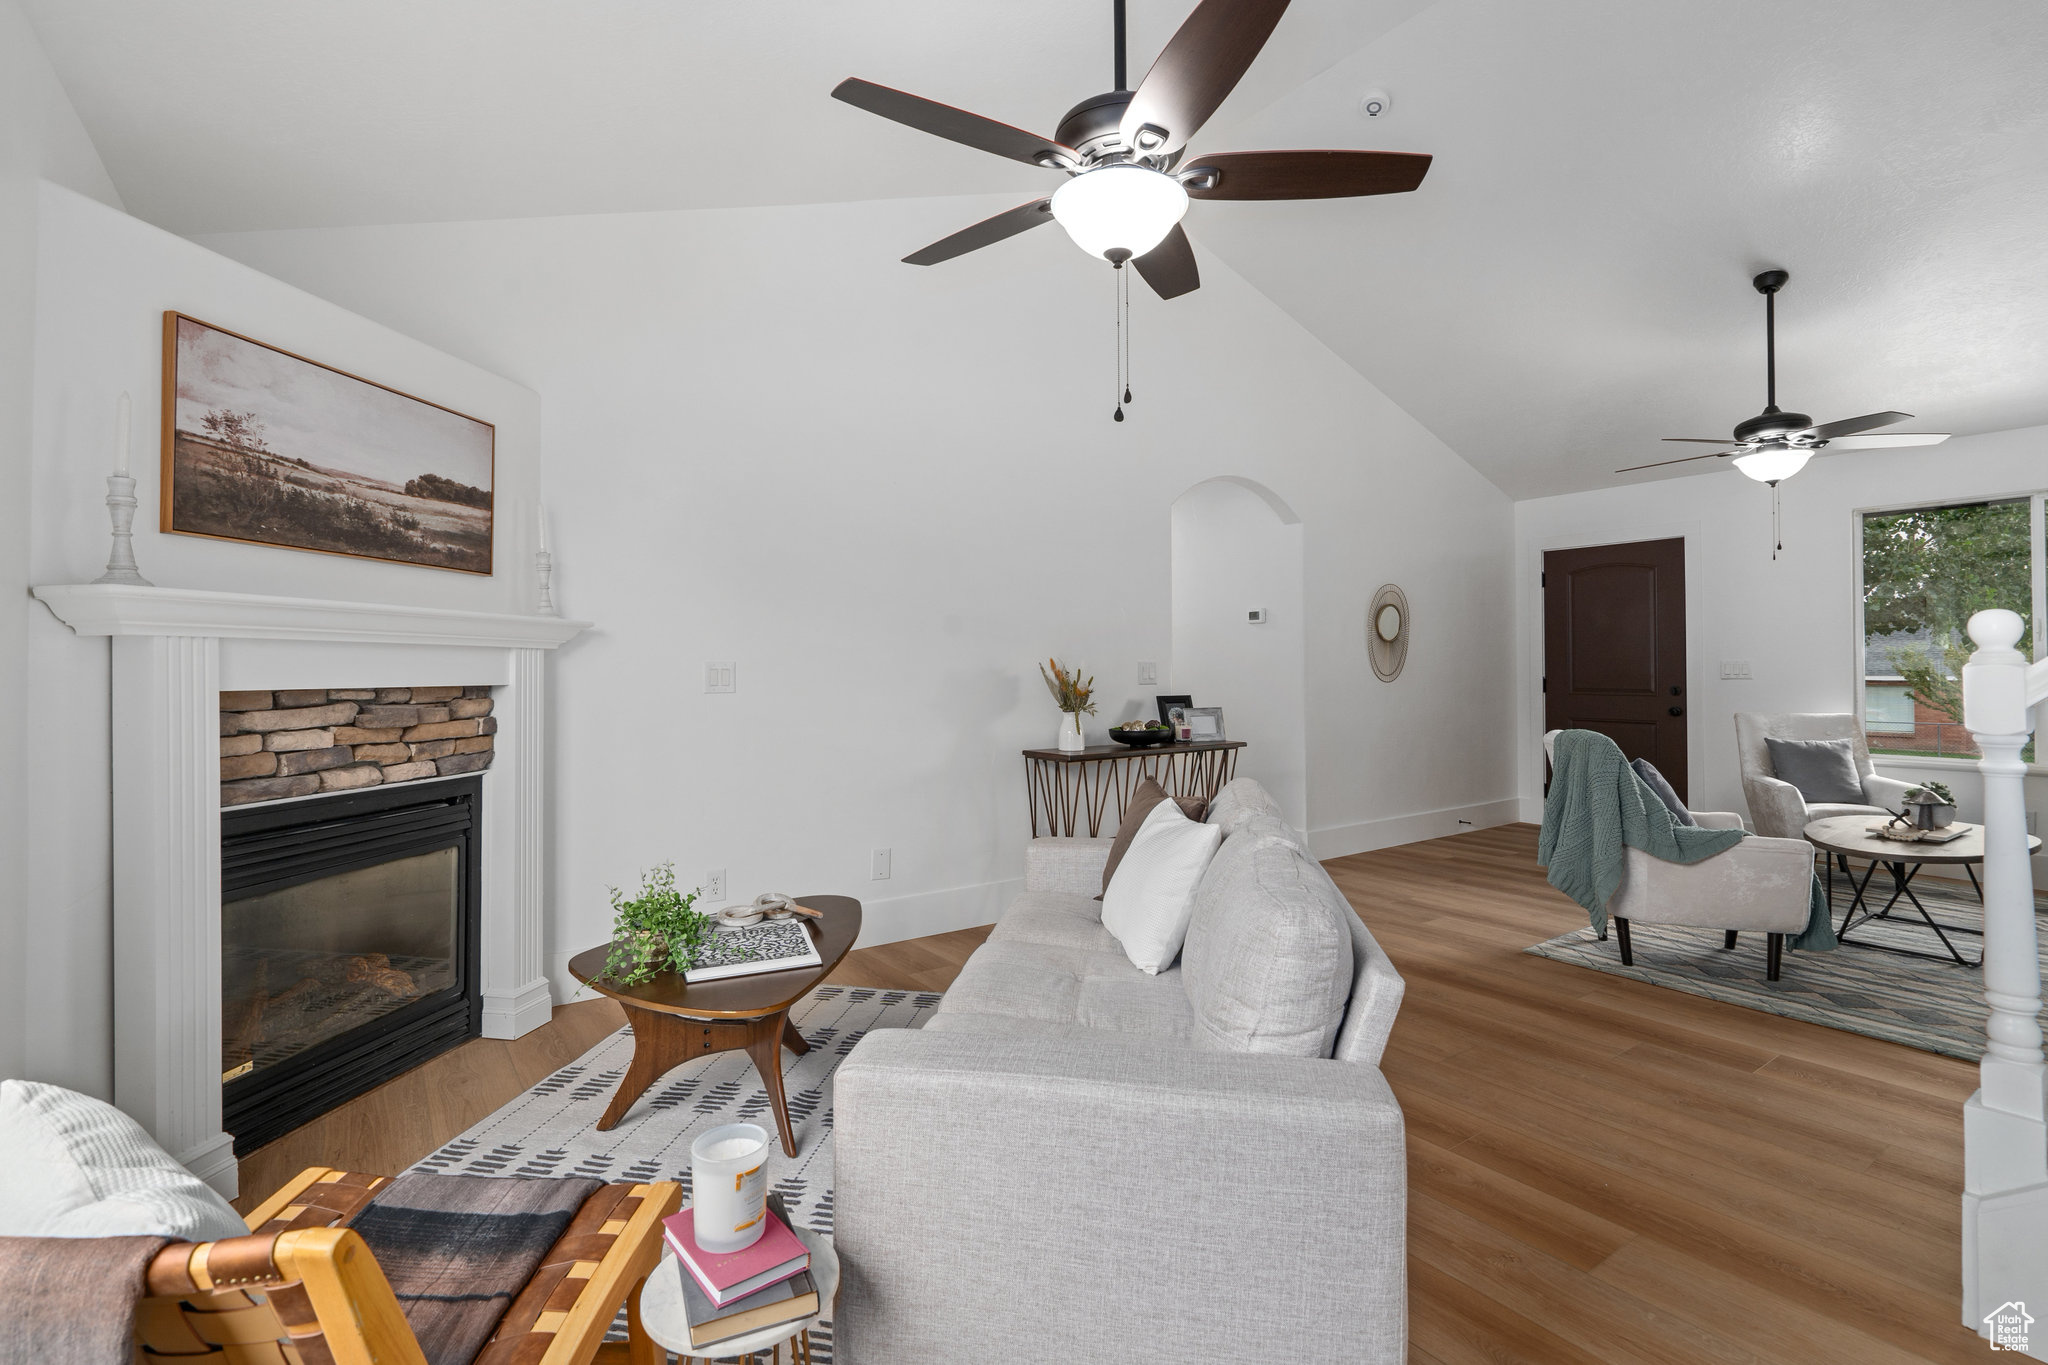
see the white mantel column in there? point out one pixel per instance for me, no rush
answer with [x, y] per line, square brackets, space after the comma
[516, 999]
[166, 724]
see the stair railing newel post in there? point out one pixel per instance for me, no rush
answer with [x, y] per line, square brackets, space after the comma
[2005, 1124]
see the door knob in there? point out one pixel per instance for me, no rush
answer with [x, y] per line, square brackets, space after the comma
[1678, 710]
[1674, 690]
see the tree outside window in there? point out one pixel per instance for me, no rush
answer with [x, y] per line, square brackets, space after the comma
[1926, 570]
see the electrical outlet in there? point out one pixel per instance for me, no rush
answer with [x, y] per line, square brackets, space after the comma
[1735, 668]
[721, 677]
[714, 884]
[881, 872]
[1148, 673]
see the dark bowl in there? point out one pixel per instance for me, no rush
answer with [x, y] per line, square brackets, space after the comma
[1142, 739]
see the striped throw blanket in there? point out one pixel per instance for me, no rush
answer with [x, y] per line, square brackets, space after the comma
[458, 1248]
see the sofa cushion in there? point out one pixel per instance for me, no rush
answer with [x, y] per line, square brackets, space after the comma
[1270, 952]
[1152, 896]
[74, 1166]
[1148, 795]
[1071, 986]
[1238, 802]
[1057, 919]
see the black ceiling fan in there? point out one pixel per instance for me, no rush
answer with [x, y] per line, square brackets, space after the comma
[1123, 152]
[1775, 445]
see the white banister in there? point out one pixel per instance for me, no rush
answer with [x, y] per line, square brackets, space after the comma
[2005, 1124]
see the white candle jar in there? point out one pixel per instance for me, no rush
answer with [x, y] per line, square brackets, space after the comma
[729, 1187]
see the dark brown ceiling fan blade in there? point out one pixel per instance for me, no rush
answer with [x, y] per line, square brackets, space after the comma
[987, 232]
[1683, 459]
[955, 125]
[1849, 426]
[1303, 175]
[1200, 65]
[1170, 267]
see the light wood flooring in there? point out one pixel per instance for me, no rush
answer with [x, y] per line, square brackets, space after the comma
[1600, 1170]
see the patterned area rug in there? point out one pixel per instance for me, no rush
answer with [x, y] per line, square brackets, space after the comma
[1932, 1006]
[550, 1130]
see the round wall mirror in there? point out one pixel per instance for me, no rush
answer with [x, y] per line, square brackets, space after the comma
[1386, 635]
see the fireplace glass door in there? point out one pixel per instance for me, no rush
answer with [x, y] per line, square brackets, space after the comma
[348, 947]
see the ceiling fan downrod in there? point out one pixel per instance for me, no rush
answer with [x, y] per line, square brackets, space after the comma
[1121, 84]
[1768, 284]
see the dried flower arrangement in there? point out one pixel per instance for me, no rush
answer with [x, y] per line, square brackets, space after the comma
[1068, 690]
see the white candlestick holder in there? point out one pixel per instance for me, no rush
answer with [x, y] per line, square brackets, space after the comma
[121, 566]
[544, 566]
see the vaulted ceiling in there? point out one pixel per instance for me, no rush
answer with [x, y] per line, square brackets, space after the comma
[1570, 283]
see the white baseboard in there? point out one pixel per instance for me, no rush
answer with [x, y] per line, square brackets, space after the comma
[882, 921]
[1336, 841]
[517, 1013]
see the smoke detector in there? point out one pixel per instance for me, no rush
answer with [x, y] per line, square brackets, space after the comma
[1375, 104]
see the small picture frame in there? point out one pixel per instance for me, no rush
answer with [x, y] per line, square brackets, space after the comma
[1204, 723]
[1170, 704]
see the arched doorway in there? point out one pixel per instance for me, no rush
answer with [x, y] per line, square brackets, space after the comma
[1236, 550]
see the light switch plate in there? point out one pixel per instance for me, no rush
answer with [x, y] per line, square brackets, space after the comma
[1148, 673]
[1735, 668]
[881, 872]
[721, 677]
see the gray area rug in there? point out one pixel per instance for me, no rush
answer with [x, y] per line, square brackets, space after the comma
[1932, 1006]
[550, 1130]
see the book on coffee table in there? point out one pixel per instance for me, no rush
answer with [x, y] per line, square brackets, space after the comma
[773, 946]
[728, 1276]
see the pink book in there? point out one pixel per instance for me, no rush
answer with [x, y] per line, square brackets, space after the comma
[734, 1275]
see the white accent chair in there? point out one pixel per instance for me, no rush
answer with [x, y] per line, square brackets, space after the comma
[1776, 806]
[1762, 884]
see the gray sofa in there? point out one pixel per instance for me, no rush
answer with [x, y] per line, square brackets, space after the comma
[1074, 1160]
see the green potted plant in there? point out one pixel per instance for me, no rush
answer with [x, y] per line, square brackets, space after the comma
[1931, 805]
[1073, 697]
[655, 931]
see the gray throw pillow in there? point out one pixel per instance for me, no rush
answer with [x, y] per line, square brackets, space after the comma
[1824, 770]
[1655, 781]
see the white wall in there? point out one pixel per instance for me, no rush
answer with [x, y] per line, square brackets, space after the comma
[885, 492]
[1794, 619]
[40, 136]
[1233, 552]
[103, 281]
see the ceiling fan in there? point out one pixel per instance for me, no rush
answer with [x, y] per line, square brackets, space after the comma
[1123, 152]
[1775, 445]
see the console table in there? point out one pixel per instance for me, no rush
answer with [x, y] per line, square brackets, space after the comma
[1078, 784]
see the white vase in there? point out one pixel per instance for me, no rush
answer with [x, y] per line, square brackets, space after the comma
[1071, 738]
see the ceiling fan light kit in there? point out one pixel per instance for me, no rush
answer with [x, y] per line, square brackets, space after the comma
[1119, 211]
[1773, 463]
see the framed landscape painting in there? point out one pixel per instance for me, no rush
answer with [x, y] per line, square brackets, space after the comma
[265, 446]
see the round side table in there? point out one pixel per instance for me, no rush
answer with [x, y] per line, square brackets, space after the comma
[661, 1310]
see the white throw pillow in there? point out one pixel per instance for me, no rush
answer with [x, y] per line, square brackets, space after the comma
[1152, 894]
[74, 1166]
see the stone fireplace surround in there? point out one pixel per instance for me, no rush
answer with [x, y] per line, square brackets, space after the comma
[174, 651]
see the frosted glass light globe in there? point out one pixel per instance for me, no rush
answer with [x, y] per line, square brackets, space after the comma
[1119, 207]
[1773, 463]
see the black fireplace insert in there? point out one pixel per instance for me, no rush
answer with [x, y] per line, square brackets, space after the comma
[348, 947]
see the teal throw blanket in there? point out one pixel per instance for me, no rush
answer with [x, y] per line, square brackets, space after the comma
[1598, 809]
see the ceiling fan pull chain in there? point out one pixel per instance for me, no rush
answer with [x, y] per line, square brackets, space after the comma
[1126, 316]
[1777, 525]
[1118, 299]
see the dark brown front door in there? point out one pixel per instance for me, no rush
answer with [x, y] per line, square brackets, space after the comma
[1614, 648]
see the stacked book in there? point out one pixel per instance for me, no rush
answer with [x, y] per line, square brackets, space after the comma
[739, 1293]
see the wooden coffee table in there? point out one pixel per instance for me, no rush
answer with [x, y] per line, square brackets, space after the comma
[674, 1021]
[1842, 837]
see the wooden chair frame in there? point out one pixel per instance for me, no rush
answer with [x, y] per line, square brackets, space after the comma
[299, 1290]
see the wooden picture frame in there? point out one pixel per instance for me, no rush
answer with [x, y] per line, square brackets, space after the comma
[266, 447]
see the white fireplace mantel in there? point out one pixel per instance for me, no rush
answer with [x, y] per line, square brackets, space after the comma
[167, 676]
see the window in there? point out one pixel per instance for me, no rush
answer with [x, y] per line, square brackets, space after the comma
[1926, 570]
